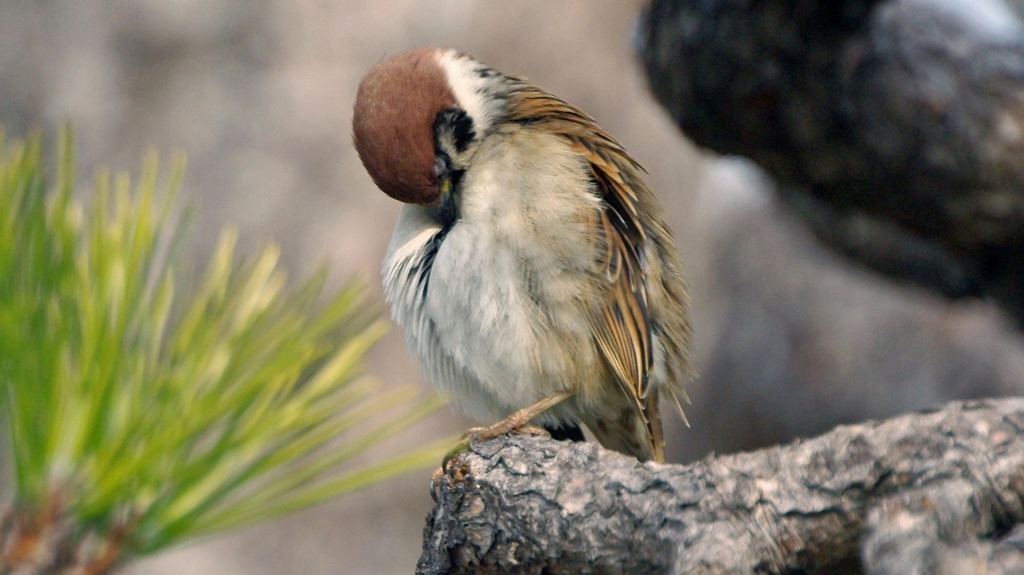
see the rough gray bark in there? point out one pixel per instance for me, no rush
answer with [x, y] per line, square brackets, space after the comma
[930, 492]
[895, 128]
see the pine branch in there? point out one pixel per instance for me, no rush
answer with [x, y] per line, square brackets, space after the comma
[917, 493]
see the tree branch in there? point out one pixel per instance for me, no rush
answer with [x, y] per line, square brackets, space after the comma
[895, 128]
[902, 489]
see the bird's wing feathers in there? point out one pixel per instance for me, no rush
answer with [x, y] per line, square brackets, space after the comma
[622, 325]
[622, 330]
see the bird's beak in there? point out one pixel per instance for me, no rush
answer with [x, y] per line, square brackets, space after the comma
[444, 206]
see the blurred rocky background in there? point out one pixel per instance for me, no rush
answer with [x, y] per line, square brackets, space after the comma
[792, 339]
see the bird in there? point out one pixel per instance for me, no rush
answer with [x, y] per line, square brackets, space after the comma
[531, 266]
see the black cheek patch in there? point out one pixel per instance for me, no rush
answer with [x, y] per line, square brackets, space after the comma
[459, 123]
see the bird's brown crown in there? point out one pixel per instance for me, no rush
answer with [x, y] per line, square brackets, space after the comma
[393, 120]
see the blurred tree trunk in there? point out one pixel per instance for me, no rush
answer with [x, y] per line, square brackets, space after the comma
[894, 128]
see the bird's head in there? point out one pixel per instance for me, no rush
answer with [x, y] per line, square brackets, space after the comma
[419, 117]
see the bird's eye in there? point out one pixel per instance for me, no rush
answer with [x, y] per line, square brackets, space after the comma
[440, 166]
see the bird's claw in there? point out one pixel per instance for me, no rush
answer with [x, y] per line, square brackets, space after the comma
[473, 435]
[461, 469]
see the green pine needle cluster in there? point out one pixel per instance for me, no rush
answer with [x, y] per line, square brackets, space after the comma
[140, 409]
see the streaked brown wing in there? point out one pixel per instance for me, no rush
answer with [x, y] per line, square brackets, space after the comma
[621, 328]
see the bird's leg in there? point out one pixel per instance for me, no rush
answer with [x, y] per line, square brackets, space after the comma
[516, 421]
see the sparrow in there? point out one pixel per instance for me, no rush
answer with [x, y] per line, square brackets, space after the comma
[531, 266]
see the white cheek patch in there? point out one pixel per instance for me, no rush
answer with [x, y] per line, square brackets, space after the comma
[477, 89]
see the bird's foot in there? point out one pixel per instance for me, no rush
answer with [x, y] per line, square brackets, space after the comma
[456, 469]
[518, 421]
[451, 466]
[502, 427]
